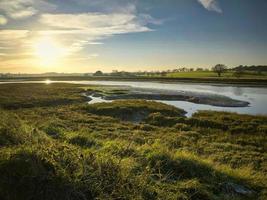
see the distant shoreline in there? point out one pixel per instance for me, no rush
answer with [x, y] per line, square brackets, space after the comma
[225, 81]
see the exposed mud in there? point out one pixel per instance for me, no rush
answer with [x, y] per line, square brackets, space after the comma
[168, 95]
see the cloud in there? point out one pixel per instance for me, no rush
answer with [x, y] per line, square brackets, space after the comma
[83, 29]
[3, 20]
[211, 5]
[20, 9]
[97, 23]
[13, 41]
[108, 6]
[88, 57]
[72, 31]
[79, 29]
[96, 43]
[7, 35]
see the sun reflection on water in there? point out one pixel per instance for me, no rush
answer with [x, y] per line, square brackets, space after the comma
[47, 81]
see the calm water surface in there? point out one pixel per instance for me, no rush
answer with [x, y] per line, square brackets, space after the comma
[256, 96]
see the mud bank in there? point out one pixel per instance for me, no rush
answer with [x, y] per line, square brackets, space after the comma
[120, 93]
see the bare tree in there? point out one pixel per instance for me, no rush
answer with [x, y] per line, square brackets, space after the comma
[219, 69]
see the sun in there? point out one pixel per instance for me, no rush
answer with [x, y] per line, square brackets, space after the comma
[48, 51]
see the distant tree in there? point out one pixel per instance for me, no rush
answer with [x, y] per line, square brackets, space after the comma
[163, 73]
[183, 69]
[253, 68]
[98, 73]
[219, 69]
[199, 69]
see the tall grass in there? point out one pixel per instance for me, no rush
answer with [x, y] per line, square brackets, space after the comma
[80, 151]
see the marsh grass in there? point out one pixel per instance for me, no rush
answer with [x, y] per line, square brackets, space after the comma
[79, 151]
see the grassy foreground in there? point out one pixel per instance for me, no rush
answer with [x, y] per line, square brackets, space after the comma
[55, 146]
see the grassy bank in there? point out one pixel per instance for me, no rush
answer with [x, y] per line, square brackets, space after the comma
[55, 146]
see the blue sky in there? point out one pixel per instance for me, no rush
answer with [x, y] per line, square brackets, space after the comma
[87, 35]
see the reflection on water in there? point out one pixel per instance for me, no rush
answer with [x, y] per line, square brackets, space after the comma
[256, 96]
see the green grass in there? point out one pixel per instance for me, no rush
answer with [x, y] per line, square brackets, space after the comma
[210, 74]
[246, 77]
[72, 150]
[41, 95]
[204, 74]
[133, 110]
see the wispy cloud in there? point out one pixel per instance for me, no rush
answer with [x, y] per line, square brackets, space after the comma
[98, 23]
[12, 42]
[17, 8]
[20, 9]
[211, 5]
[7, 35]
[74, 31]
[83, 29]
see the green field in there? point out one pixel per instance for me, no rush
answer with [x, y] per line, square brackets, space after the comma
[53, 145]
[204, 74]
[210, 74]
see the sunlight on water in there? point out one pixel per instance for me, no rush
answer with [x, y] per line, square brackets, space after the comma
[48, 81]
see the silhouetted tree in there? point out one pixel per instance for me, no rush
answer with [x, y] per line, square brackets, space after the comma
[219, 69]
[98, 73]
[262, 68]
[163, 73]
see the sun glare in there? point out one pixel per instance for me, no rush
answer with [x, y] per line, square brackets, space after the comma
[47, 81]
[48, 51]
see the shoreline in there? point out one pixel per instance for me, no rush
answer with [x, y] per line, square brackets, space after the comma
[211, 81]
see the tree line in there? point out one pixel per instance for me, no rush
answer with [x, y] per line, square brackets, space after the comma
[219, 69]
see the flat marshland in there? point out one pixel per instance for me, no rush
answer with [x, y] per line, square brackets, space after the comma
[53, 145]
[185, 77]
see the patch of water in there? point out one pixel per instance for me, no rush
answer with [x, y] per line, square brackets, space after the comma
[256, 96]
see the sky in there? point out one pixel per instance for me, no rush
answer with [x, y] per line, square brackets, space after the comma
[69, 36]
